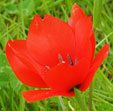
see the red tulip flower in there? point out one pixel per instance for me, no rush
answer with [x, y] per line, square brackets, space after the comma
[56, 55]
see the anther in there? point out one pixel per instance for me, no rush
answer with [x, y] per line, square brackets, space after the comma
[70, 59]
[47, 67]
[9, 45]
[76, 61]
[60, 58]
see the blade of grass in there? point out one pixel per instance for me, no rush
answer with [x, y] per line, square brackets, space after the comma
[104, 39]
[2, 104]
[97, 12]
[22, 103]
[62, 103]
[80, 101]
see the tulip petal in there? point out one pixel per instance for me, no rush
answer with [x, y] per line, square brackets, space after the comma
[24, 71]
[76, 14]
[95, 65]
[82, 26]
[83, 43]
[37, 95]
[64, 77]
[49, 37]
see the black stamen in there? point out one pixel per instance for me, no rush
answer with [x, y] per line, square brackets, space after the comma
[70, 59]
[60, 58]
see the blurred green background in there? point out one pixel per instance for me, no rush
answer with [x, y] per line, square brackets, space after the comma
[15, 17]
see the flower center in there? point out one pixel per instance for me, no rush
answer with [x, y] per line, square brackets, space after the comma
[69, 59]
[71, 63]
[61, 60]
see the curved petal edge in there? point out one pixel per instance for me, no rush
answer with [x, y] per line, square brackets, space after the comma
[37, 95]
[100, 57]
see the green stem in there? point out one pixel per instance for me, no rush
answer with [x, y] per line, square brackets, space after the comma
[80, 100]
[90, 97]
[61, 102]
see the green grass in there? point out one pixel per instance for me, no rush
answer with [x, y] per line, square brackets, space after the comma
[15, 17]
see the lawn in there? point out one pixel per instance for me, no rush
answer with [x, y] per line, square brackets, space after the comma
[15, 18]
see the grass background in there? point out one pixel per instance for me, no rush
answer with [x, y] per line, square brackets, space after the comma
[15, 17]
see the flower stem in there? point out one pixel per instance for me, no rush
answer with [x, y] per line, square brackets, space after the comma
[90, 97]
[61, 102]
[80, 100]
